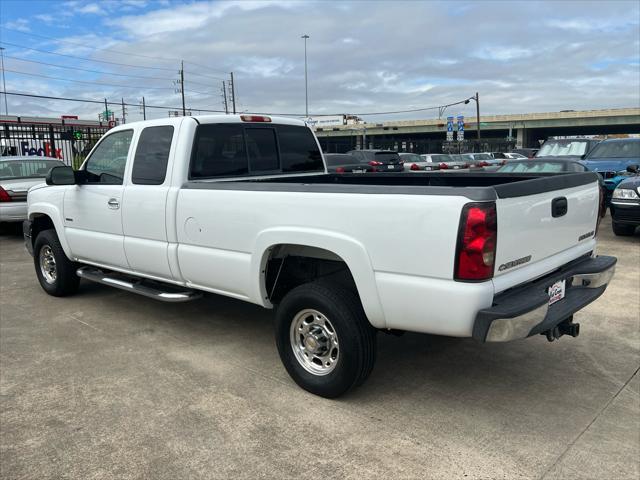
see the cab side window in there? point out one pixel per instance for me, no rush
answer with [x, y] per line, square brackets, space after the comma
[152, 156]
[108, 161]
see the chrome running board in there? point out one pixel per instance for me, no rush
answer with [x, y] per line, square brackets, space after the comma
[148, 288]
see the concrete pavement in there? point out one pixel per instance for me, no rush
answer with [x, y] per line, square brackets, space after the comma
[108, 384]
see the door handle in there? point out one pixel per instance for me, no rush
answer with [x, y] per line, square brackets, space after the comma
[113, 203]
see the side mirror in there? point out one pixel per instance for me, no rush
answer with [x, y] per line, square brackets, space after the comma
[62, 175]
[633, 168]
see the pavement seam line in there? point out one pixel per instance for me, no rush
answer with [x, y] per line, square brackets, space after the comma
[600, 412]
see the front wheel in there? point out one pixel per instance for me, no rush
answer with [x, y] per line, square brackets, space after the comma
[56, 273]
[324, 339]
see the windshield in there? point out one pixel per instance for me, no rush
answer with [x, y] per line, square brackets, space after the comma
[26, 168]
[564, 148]
[410, 157]
[482, 156]
[615, 150]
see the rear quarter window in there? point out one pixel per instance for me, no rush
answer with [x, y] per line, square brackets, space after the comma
[152, 156]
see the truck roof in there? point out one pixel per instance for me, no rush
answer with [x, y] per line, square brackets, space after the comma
[205, 119]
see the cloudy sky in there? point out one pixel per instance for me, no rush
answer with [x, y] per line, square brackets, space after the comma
[364, 57]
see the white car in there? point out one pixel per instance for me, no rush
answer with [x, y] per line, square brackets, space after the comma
[242, 206]
[17, 175]
[414, 162]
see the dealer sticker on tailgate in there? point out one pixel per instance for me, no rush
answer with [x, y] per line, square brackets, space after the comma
[556, 291]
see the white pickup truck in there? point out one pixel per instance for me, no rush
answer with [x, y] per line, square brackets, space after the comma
[242, 206]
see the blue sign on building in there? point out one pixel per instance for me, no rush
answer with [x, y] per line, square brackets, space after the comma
[460, 123]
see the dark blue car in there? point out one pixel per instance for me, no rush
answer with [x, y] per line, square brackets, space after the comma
[610, 158]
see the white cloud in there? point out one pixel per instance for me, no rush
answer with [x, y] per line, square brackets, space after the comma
[20, 24]
[91, 9]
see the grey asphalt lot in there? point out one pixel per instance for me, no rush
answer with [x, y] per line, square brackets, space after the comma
[107, 384]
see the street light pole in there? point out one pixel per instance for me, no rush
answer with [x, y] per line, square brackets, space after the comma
[478, 113]
[4, 85]
[476, 98]
[306, 84]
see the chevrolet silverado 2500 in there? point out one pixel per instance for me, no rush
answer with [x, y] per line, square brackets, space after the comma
[242, 206]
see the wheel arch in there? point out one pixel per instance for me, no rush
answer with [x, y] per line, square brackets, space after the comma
[318, 244]
[44, 217]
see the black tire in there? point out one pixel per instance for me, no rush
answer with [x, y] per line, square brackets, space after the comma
[357, 338]
[66, 281]
[621, 229]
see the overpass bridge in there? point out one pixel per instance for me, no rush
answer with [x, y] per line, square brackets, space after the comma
[525, 130]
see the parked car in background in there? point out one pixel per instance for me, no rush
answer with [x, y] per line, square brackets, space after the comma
[483, 160]
[527, 152]
[610, 158]
[17, 176]
[574, 148]
[345, 163]
[625, 205]
[414, 162]
[450, 161]
[380, 160]
[434, 160]
[514, 155]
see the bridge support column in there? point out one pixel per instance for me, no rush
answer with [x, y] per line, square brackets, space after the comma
[522, 138]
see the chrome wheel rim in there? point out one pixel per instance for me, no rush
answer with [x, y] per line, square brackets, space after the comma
[48, 265]
[314, 342]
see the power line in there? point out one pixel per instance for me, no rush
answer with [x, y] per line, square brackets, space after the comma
[102, 102]
[85, 82]
[167, 59]
[85, 69]
[222, 111]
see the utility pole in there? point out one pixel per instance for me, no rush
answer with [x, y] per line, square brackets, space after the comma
[478, 113]
[144, 110]
[224, 95]
[306, 84]
[184, 110]
[233, 94]
[4, 85]
[106, 111]
[124, 113]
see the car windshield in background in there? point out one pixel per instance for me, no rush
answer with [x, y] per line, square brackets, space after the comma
[26, 168]
[559, 149]
[482, 156]
[410, 157]
[540, 167]
[616, 150]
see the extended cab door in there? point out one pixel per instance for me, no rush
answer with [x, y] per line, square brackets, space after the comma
[144, 214]
[92, 210]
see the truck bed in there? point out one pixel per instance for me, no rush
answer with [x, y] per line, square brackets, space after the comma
[475, 186]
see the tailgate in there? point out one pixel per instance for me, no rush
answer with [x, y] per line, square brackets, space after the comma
[543, 217]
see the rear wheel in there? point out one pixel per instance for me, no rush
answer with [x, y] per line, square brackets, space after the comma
[622, 229]
[324, 339]
[56, 273]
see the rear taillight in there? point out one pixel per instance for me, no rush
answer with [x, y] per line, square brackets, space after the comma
[476, 249]
[415, 167]
[375, 163]
[482, 164]
[4, 196]
[340, 170]
[443, 166]
[255, 118]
